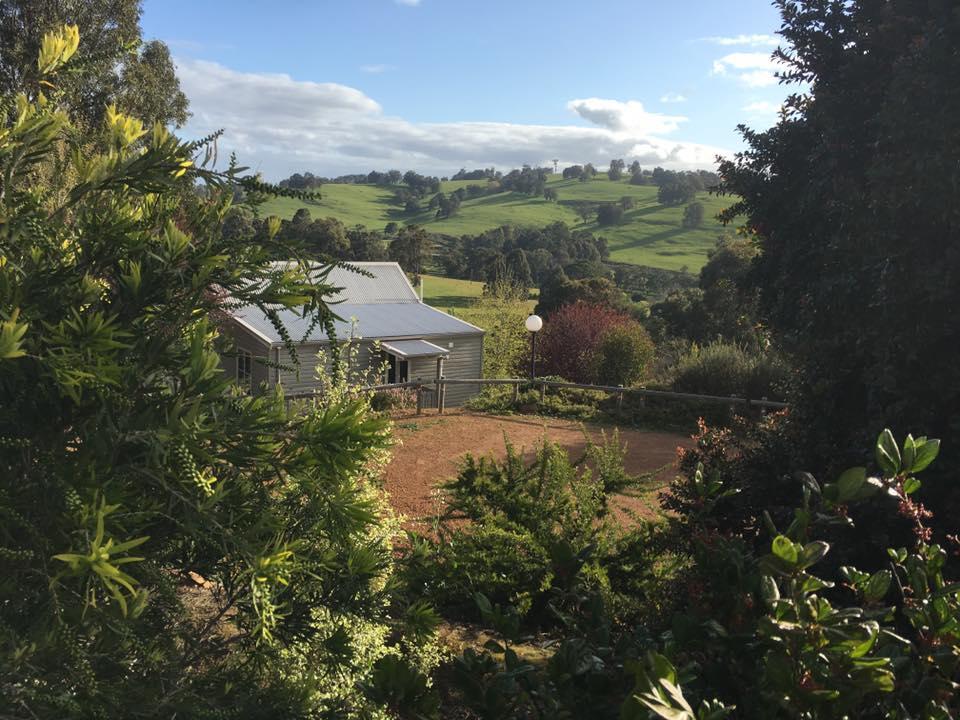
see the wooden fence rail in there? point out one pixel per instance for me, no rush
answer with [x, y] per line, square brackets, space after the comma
[438, 386]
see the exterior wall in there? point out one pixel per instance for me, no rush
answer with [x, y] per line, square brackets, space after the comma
[256, 346]
[465, 360]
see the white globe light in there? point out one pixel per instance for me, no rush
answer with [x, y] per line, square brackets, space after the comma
[534, 323]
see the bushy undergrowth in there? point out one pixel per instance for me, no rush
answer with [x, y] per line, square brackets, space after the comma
[727, 369]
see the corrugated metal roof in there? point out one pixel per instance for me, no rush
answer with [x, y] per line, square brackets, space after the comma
[375, 320]
[387, 284]
[414, 348]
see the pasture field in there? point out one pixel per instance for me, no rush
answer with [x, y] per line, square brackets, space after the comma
[649, 234]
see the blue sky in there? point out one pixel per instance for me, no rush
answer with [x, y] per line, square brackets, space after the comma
[336, 87]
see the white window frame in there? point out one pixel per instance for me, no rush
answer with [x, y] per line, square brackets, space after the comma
[245, 369]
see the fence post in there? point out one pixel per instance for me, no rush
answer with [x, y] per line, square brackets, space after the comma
[543, 391]
[419, 397]
[441, 395]
[763, 408]
[516, 393]
[643, 398]
[620, 398]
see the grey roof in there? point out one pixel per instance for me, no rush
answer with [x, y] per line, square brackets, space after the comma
[379, 320]
[388, 284]
[414, 348]
[379, 307]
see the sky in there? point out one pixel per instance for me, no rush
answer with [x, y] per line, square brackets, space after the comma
[348, 86]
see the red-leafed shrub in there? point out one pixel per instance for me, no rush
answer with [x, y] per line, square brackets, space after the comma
[573, 338]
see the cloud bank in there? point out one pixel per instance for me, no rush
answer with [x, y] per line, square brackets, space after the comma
[279, 125]
[752, 69]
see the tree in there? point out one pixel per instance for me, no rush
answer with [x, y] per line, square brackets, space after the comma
[676, 192]
[518, 269]
[857, 223]
[172, 545]
[588, 172]
[573, 172]
[615, 172]
[622, 355]
[140, 81]
[570, 338]
[635, 168]
[550, 195]
[412, 248]
[559, 290]
[627, 202]
[609, 214]
[693, 215]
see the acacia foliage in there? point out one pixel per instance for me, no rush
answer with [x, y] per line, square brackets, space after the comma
[171, 547]
[852, 199]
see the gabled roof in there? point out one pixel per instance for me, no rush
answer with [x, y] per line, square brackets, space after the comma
[387, 283]
[384, 306]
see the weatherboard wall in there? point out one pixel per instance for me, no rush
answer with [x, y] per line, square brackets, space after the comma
[464, 361]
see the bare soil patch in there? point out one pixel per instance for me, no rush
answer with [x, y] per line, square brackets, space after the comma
[430, 448]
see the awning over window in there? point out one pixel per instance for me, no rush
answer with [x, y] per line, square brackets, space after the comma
[413, 348]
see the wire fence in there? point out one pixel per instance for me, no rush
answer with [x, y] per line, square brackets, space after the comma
[433, 392]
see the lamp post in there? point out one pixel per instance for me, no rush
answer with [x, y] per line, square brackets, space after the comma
[533, 325]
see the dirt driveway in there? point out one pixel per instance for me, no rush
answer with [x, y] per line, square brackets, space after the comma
[430, 448]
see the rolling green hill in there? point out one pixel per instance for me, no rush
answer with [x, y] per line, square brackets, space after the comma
[649, 234]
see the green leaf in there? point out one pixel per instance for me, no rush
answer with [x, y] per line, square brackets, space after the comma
[927, 451]
[769, 590]
[785, 549]
[887, 453]
[910, 485]
[850, 482]
[814, 552]
[876, 587]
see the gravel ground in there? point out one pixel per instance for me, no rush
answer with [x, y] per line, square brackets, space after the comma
[430, 448]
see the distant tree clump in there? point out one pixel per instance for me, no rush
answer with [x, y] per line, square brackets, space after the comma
[412, 248]
[615, 173]
[676, 191]
[550, 195]
[609, 214]
[573, 172]
[693, 215]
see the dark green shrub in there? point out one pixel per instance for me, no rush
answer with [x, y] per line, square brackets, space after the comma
[523, 533]
[622, 355]
[775, 640]
[726, 369]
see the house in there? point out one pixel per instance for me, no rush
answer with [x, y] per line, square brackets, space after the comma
[415, 340]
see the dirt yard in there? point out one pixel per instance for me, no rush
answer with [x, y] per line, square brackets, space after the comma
[430, 448]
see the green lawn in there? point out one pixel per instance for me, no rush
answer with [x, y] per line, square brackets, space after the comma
[457, 295]
[443, 293]
[649, 234]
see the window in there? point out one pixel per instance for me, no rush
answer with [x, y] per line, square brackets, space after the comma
[245, 369]
[397, 369]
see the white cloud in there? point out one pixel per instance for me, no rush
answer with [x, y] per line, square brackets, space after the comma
[408, 3]
[762, 107]
[672, 97]
[624, 116]
[750, 40]
[753, 69]
[279, 125]
[376, 68]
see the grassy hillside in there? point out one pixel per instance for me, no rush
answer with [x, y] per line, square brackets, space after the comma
[451, 294]
[649, 234]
